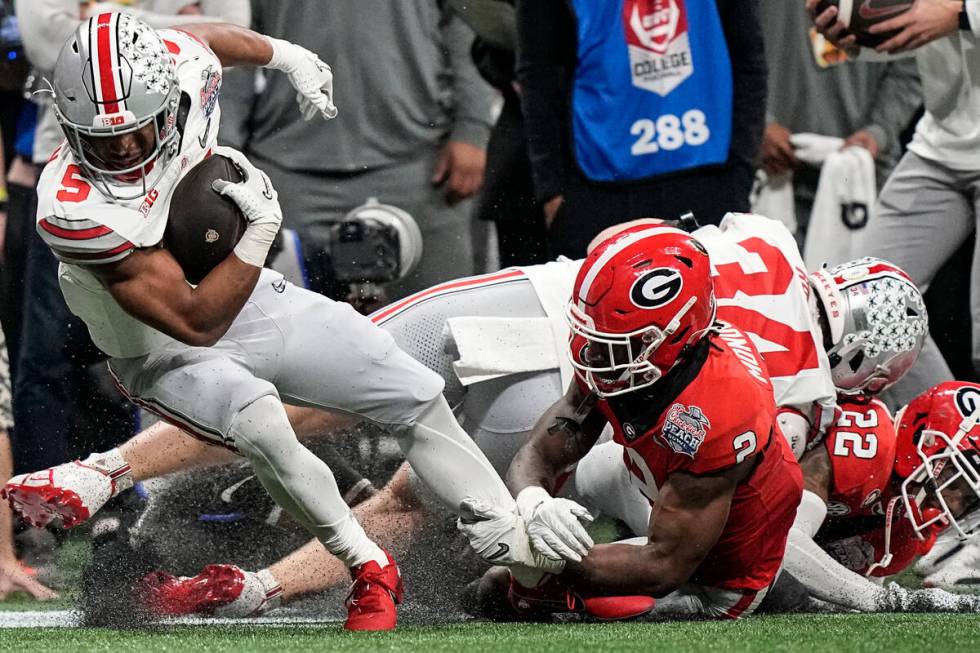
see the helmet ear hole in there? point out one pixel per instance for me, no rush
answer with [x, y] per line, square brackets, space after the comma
[856, 360]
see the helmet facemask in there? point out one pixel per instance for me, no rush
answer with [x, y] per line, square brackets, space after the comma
[635, 370]
[948, 467]
[115, 76]
[135, 180]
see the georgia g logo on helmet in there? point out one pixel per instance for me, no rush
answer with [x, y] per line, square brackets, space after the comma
[656, 288]
[967, 400]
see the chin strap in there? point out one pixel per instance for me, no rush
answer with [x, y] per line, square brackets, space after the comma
[886, 558]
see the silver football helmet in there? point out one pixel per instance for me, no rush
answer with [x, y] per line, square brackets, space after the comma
[114, 76]
[877, 321]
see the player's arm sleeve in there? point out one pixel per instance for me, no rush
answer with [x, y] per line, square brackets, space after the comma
[545, 61]
[83, 242]
[743, 34]
[897, 98]
[473, 97]
[823, 576]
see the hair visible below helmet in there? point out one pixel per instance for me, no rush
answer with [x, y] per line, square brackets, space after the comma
[937, 431]
[113, 76]
[640, 298]
[878, 323]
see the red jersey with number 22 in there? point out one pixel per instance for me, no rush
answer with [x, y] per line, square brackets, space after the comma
[861, 446]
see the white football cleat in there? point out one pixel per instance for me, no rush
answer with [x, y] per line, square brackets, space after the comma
[960, 570]
[71, 492]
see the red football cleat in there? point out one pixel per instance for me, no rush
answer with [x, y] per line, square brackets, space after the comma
[373, 596]
[221, 590]
[553, 596]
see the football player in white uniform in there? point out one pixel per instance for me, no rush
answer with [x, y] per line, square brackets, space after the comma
[138, 108]
[755, 262]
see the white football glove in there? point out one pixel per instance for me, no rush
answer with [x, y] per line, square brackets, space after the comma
[555, 526]
[259, 203]
[311, 78]
[498, 535]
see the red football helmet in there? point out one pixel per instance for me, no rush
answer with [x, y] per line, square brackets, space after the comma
[938, 455]
[639, 299]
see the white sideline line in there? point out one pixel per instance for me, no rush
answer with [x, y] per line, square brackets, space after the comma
[73, 619]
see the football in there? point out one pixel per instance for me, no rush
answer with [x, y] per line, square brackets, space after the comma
[860, 15]
[203, 227]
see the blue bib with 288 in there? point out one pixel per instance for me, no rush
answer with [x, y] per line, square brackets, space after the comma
[652, 92]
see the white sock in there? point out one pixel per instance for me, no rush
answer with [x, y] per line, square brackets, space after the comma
[300, 482]
[449, 462]
[115, 466]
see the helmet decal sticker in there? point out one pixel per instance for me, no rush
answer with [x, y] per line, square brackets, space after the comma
[967, 400]
[656, 288]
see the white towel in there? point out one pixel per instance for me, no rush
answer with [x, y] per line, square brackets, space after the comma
[491, 347]
[773, 197]
[842, 207]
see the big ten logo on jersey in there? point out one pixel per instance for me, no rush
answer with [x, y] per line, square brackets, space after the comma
[148, 201]
[738, 342]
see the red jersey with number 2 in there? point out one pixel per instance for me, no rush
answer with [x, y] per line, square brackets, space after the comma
[722, 416]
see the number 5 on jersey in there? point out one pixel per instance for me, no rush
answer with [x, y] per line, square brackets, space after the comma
[74, 188]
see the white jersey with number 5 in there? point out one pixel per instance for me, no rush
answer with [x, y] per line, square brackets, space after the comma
[84, 228]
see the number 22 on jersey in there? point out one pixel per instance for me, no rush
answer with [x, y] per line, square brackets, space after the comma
[862, 444]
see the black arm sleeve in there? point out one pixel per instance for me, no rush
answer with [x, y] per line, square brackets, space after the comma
[743, 32]
[545, 61]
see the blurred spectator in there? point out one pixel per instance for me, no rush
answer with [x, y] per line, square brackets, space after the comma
[54, 376]
[929, 205]
[412, 130]
[813, 90]
[508, 191]
[13, 576]
[639, 108]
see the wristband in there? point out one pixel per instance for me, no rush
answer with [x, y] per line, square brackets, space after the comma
[279, 56]
[253, 247]
[530, 498]
[964, 19]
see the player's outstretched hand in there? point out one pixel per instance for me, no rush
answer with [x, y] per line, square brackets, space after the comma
[14, 578]
[557, 530]
[311, 77]
[556, 526]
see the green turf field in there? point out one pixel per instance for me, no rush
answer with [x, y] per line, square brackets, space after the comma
[887, 633]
